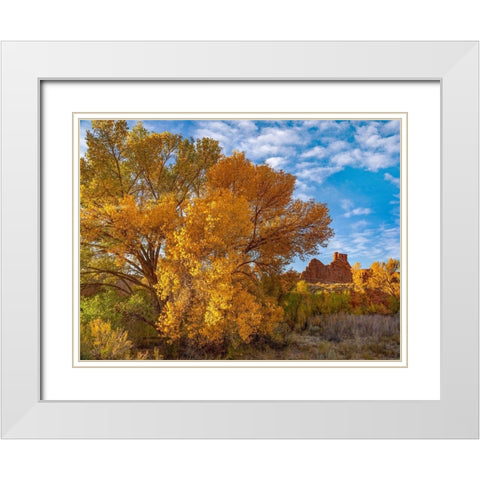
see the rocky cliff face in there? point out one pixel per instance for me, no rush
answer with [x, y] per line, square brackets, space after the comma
[338, 271]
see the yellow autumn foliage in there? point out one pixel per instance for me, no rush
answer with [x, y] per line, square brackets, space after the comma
[99, 341]
[386, 277]
[205, 277]
[198, 230]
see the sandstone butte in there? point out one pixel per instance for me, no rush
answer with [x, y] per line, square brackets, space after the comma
[338, 271]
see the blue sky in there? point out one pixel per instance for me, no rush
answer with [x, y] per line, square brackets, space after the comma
[352, 165]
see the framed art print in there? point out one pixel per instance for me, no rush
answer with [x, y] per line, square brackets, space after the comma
[214, 227]
[245, 250]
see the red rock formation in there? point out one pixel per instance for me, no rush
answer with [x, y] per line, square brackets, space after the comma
[338, 271]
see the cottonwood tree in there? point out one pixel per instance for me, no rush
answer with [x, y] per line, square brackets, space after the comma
[133, 186]
[245, 226]
[194, 228]
[358, 276]
[385, 276]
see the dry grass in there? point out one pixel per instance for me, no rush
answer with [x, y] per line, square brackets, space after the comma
[349, 337]
[340, 326]
[337, 337]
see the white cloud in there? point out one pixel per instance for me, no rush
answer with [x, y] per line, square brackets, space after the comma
[346, 204]
[359, 224]
[303, 186]
[375, 148]
[377, 244]
[271, 141]
[363, 159]
[217, 135]
[351, 157]
[302, 190]
[247, 126]
[389, 239]
[372, 150]
[318, 152]
[361, 239]
[277, 136]
[357, 211]
[149, 126]
[391, 127]
[312, 123]
[331, 125]
[302, 196]
[367, 135]
[392, 179]
[276, 162]
[228, 133]
[390, 144]
[316, 174]
[375, 161]
[337, 145]
[218, 126]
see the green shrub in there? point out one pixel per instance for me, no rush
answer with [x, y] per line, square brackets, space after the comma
[133, 313]
[394, 304]
[298, 308]
[301, 304]
[104, 305]
[333, 302]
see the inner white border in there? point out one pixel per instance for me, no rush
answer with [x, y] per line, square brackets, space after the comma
[419, 381]
[232, 363]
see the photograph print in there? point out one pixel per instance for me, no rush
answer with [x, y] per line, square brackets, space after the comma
[240, 239]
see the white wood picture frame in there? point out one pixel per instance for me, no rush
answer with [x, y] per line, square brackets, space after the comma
[26, 64]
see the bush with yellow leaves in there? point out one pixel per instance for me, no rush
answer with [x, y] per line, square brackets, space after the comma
[98, 341]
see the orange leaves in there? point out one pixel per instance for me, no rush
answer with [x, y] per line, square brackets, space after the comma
[196, 275]
[201, 275]
[380, 277]
[217, 224]
[265, 189]
[385, 276]
[134, 186]
[244, 224]
[197, 230]
[126, 222]
[281, 227]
